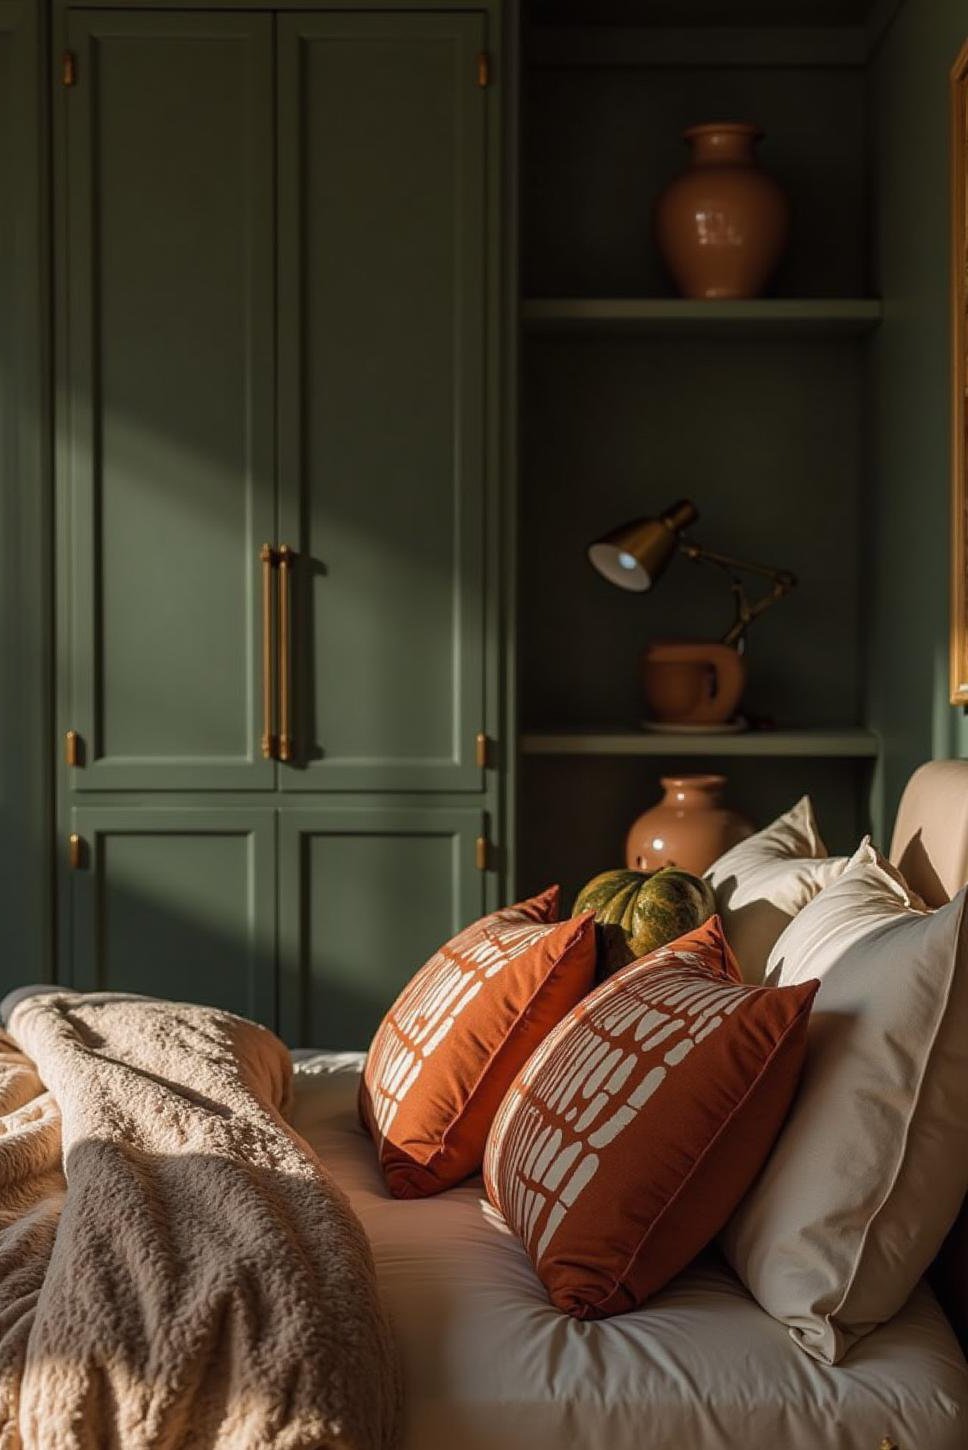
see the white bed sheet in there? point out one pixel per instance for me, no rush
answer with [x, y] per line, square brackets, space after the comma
[490, 1365]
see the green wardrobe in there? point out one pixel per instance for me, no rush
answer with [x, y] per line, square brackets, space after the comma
[277, 248]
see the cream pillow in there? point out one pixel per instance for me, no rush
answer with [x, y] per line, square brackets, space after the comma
[871, 1168]
[762, 883]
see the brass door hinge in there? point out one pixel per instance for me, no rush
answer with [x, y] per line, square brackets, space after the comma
[482, 750]
[482, 853]
[72, 748]
[483, 69]
[68, 68]
[75, 851]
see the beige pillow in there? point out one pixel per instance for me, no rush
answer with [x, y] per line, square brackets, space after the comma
[763, 882]
[872, 1166]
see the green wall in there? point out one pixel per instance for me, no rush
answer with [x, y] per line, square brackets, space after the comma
[25, 883]
[908, 483]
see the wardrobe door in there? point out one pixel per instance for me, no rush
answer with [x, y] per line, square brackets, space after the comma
[168, 415]
[176, 902]
[366, 895]
[381, 394]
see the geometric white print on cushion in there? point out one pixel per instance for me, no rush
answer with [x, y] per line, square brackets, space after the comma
[431, 1004]
[587, 1081]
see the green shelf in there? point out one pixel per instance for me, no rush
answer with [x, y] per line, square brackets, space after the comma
[850, 743]
[833, 316]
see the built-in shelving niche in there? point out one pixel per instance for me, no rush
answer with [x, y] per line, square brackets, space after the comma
[633, 397]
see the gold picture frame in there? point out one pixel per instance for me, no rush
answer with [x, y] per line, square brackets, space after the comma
[959, 379]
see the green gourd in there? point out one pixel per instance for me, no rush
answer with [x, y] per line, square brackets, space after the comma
[637, 911]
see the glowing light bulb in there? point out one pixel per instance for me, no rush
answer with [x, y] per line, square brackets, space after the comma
[627, 561]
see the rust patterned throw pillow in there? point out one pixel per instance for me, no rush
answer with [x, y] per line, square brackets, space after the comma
[632, 1133]
[456, 1037]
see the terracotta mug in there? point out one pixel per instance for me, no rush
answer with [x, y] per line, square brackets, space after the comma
[692, 682]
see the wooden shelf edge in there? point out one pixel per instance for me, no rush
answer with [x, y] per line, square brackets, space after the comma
[827, 314]
[851, 743]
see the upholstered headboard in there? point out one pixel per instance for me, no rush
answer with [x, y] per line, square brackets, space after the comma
[930, 846]
[930, 843]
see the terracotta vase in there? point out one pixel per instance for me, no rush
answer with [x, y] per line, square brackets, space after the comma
[723, 224]
[690, 827]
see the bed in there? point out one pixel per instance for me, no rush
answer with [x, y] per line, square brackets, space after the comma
[488, 1363]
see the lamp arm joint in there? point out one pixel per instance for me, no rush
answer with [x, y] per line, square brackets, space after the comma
[701, 555]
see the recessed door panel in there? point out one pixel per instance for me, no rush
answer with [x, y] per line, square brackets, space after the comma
[177, 903]
[170, 382]
[366, 895]
[381, 394]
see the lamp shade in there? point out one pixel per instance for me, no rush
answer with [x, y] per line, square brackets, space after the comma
[635, 554]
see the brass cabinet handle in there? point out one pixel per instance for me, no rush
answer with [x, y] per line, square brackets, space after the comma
[285, 556]
[268, 558]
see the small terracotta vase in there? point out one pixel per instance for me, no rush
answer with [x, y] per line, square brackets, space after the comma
[689, 828]
[723, 224]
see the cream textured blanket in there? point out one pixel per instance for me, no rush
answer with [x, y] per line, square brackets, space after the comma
[176, 1269]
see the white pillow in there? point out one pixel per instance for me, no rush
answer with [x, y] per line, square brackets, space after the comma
[871, 1168]
[762, 883]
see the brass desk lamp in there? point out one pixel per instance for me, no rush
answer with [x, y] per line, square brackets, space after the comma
[634, 555]
[693, 683]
